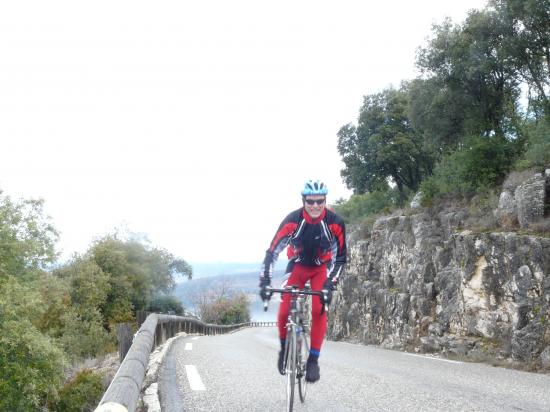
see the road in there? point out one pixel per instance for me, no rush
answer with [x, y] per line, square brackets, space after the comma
[237, 372]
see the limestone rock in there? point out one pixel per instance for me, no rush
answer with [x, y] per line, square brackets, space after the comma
[545, 358]
[529, 198]
[506, 213]
[417, 201]
[429, 344]
[417, 281]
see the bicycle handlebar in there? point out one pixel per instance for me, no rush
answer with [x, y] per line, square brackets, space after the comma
[297, 292]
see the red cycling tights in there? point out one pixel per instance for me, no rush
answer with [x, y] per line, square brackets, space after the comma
[299, 276]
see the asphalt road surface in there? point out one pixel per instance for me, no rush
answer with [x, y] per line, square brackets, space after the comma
[237, 372]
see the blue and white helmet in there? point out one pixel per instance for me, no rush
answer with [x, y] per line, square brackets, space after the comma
[314, 187]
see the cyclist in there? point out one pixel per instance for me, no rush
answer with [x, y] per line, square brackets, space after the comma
[316, 240]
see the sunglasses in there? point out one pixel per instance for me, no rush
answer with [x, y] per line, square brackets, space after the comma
[311, 202]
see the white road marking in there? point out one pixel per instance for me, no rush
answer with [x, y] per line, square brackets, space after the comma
[188, 346]
[195, 338]
[431, 357]
[195, 381]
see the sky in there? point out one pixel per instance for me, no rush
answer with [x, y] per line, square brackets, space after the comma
[193, 122]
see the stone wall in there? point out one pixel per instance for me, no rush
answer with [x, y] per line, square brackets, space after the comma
[422, 283]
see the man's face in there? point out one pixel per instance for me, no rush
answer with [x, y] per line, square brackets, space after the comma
[314, 205]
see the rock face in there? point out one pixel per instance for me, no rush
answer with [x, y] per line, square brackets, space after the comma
[526, 205]
[530, 200]
[419, 282]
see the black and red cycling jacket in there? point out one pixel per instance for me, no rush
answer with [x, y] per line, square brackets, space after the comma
[311, 242]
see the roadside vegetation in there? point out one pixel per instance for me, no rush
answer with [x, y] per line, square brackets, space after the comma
[54, 315]
[219, 303]
[479, 110]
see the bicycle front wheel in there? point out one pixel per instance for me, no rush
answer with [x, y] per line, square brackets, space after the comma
[303, 353]
[290, 367]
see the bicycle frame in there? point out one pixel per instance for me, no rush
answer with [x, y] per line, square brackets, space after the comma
[297, 345]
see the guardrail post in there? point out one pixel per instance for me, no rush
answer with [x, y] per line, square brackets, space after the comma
[124, 336]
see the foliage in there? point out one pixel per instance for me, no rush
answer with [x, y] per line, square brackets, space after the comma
[83, 336]
[465, 112]
[537, 153]
[438, 113]
[27, 238]
[82, 394]
[359, 206]
[482, 162]
[31, 363]
[527, 46]
[136, 273]
[227, 310]
[470, 62]
[80, 326]
[383, 147]
[54, 302]
[88, 285]
[48, 318]
[165, 304]
[220, 305]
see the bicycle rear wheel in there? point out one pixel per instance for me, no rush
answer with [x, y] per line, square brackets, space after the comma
[290, 367]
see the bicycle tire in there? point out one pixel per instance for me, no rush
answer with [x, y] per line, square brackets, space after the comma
[290, 368]
[303, 353]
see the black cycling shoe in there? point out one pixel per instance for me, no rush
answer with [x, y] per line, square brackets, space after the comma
[312, 371]
[280, 362]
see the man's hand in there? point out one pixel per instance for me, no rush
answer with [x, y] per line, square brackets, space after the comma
[265, 281]
[328, 288]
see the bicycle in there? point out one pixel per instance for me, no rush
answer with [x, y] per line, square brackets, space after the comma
[297, 341]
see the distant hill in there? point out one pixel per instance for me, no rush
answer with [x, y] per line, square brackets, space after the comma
[234, 283]
[209, 269]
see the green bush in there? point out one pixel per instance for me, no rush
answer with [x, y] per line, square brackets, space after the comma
[358, 207]
[226, 310]
[537, 153]
[480, 164]
[31, 365]
[84, 335]
[82, 394]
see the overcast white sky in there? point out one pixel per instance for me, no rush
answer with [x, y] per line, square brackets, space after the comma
[193, 122]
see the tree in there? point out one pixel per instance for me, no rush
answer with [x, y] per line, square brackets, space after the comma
[27, 238]
[81, 330]
[219, 304]
[88, 285]
[527, 45]
[31, 362]
[470, 61]
[438, 113]
[383, 148]
[136, 274]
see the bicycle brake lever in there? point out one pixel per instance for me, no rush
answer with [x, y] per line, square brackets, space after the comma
[266, 302]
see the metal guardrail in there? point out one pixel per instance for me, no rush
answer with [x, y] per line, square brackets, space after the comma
[122, 395]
